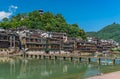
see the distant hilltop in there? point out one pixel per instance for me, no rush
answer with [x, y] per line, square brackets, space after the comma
[109, 32]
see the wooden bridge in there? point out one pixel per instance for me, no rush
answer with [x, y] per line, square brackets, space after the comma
[71, 57]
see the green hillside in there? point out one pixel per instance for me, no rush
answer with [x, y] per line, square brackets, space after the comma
[92, 34]
[109, 32]
[46, 21]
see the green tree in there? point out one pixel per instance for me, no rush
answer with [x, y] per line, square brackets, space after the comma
[5, 19]
[46, 21]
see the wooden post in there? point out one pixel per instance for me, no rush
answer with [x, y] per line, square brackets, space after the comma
[39, 56]
[99, 60]
[63, 58]
[14, 41]
[35, 56]
[79, 59]
[43, 56]
[26, 55]
[49, 57]
[10, 41]
[88, 59]
[113, 61]
[71, 58]
[55, 57]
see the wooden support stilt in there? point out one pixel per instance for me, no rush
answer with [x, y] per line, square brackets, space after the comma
[64, 58]
[88, 60]
[26, 55]
[43, 56]
[35, 56]
[71, 58]
[79, 59]
[113, 61]
[55, 57]
[49, 57]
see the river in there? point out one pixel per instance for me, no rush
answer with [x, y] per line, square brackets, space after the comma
[27, 68]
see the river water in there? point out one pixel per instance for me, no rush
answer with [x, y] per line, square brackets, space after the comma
[26, 68]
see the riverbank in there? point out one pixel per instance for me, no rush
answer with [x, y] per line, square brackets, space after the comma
[113, 75]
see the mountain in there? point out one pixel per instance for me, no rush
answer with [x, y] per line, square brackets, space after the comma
[92, 34]
[109, 32]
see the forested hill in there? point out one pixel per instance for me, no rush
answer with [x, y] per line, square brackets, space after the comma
[109, 32]
[45, 21]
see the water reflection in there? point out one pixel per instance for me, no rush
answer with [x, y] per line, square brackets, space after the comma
[65, 68]
[20, 68]
[92, 70]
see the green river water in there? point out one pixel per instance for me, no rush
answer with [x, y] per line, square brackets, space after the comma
[21, 68]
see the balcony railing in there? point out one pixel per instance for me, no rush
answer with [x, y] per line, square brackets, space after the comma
[68, 46]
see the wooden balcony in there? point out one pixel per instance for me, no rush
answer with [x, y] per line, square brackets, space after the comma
[68, 46]
[87, 50]
[4, 44]
[3, 40]
[35, 43]
[54, 42]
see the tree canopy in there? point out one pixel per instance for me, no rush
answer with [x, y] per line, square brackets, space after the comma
[46, 21]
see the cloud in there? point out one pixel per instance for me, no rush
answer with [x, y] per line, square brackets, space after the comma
[4, 14]
[11, 10]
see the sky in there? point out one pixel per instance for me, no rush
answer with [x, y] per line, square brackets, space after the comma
[90, 15]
